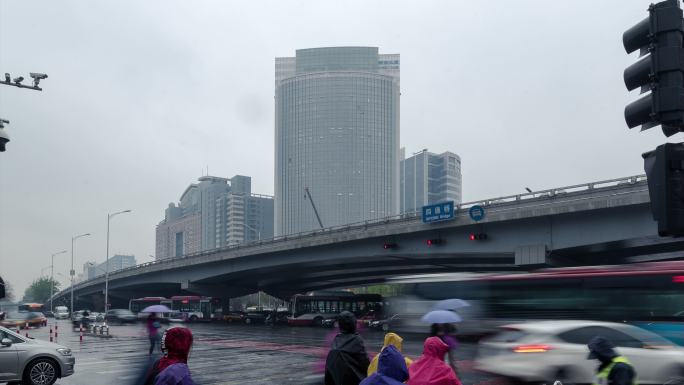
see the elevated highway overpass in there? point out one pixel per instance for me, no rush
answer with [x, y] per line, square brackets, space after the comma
[605, 222]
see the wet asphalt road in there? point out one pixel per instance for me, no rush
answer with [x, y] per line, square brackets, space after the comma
[228, 354]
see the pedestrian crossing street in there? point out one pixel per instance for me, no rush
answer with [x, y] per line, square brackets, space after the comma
[221, 354]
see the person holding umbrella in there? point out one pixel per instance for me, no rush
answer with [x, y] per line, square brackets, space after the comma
[152, 324]
[442, 327]
[446, 330]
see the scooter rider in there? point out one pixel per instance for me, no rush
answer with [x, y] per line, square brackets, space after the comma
[614, 369]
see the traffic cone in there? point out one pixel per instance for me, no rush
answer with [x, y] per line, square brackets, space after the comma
[80, 334]
[56, 326]
[26, 327]
[51, 340]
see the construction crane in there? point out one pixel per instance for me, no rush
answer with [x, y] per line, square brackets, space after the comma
[308, 194]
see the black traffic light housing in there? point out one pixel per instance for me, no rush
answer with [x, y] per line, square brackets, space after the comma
[660, 37]
[477, 236]
[434, 242]
[665, 171]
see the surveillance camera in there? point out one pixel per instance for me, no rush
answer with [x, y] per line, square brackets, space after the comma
[37, 75]
[19, 79]
[4, 138]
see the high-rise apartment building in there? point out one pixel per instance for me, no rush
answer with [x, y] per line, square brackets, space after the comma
[337, 134]
[428, 178]
[214, 212]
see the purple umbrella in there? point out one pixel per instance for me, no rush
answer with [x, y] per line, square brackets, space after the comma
[450, 304]
[441, 317]
[156, 309]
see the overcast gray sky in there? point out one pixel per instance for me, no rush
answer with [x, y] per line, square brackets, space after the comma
[142, 96]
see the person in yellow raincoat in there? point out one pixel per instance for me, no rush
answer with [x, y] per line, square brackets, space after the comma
[390, 339]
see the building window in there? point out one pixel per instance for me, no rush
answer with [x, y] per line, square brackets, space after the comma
[179, 244]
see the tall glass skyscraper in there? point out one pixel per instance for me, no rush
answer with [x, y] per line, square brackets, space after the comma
[428, 178]
[337, 134]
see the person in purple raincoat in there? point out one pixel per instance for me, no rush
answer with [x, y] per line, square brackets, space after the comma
[172, 368]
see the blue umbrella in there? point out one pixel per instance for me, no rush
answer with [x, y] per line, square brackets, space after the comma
[441, 317]
[450, 304]
[156, 309]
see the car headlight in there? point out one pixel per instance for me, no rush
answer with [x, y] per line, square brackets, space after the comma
[64, 351]
[375, 323]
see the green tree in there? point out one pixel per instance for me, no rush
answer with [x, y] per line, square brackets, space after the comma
[9, 292]
[39, 290]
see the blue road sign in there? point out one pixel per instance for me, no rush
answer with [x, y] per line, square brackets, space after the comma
[477, 213]
[443, 211]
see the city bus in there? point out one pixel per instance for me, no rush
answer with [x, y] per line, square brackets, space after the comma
[313, 308]
[136, 305]
[195, 308]
[186, 307]
[649, 295]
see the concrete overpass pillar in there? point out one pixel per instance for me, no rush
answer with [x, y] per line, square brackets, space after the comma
[531, 255]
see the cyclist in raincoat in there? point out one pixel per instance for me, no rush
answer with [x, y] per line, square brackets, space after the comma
[392, 369]
[391, 339]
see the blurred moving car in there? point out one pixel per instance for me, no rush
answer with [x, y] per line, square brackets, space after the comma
[257, 315]
[92, 316]
[546, 351]
[234, 316]
[384, 324]
[78, 319]
[32, 361]
[120, 316]
[49, 314]
[19, 320]
[61, 312]
[177, 316]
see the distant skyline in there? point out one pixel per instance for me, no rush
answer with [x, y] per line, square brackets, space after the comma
[143, 96]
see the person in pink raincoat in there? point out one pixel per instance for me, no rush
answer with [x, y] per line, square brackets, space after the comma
[430, 368]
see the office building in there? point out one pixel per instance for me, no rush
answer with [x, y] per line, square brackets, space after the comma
[428, 178]
[337, 134]
[215, 212]
[116, 262]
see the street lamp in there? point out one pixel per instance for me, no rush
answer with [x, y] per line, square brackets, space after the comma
[72, 272]
[109, 217]
[52, 274]
[253, 229]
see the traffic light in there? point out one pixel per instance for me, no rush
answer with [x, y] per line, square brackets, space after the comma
[433, 242]
[660, 71]
[478, 236]
[389, 246]
[665, 171]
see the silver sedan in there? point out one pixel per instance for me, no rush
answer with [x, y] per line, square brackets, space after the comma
[33, 361]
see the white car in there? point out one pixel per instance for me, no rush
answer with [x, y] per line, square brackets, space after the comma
[545, 351]
[61, 312]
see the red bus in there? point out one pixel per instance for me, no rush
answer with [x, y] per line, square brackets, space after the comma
[649, 295]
